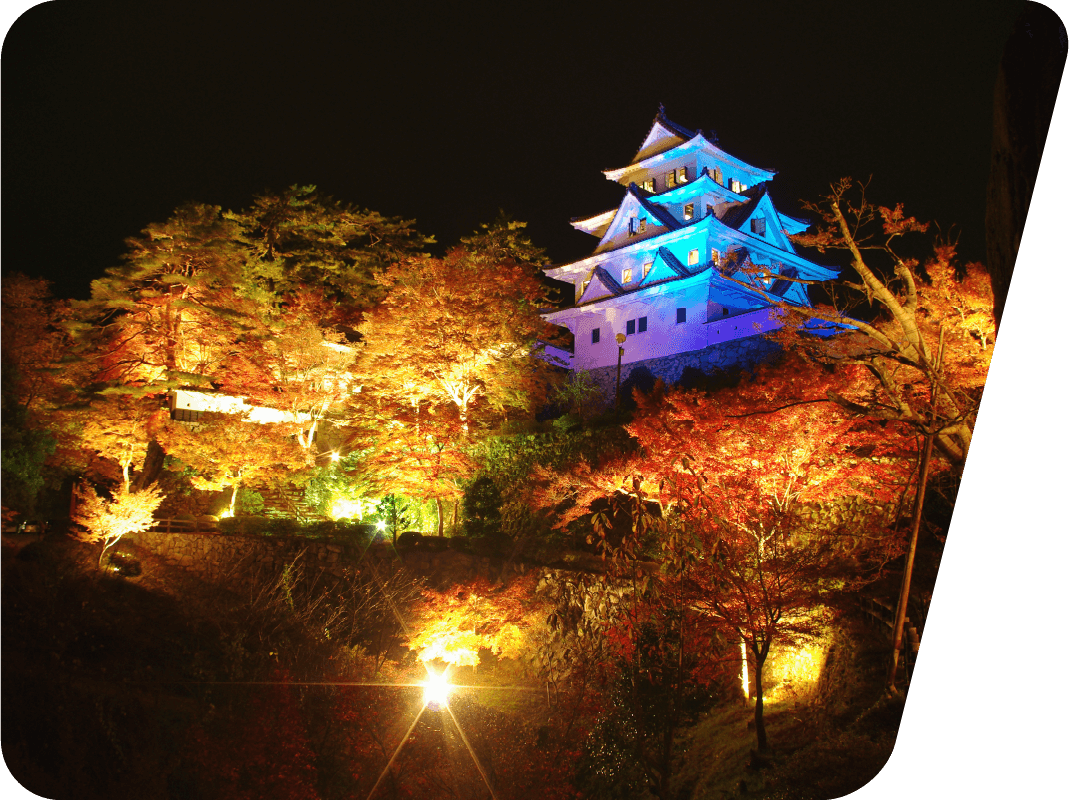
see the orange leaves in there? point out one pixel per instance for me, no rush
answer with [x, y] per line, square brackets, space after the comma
[453, 626]
[895, 221]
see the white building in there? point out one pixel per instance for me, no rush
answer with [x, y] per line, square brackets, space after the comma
[686, 268]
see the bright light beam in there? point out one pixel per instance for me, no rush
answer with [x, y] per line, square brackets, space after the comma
[393, 758]
[474, 757]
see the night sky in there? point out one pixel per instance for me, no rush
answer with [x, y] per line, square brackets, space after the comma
[116, 113]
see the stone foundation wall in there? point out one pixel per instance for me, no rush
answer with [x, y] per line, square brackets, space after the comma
[746, 353]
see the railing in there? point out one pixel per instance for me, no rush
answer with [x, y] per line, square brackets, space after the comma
[556, 355]
[177, 525]
[742, 325]
[883, 613]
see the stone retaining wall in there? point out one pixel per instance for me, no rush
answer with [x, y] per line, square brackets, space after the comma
[746, 353]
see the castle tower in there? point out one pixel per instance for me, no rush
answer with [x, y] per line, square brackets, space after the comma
[687, 267]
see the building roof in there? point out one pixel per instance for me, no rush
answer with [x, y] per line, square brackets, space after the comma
[661, 214]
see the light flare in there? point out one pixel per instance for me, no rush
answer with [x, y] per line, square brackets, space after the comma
[436, 689]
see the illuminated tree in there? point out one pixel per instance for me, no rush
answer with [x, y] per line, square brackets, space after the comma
[415, 451]
[454, 625]
[298, 240]
[926, 350]
[457, 330]
[118, 427]
[292, 359]
[108, 520]
[155, 319]
[746, 472]
[751, 483]
[228, 451]
[928, 345]
[33, 341]
[35, 388]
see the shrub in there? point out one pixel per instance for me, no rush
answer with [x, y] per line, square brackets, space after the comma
[410, 539]
[482, 508]
[461, 544]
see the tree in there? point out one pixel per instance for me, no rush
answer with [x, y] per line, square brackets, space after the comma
[745, 471]
[156, 319]
[36, 386]
[928, 345]
[927, 352]
[33, 342]
[454, 625]
[168, 316]
[118, 427]
[751, 482]
[412, 450]
[228, 451]
[293, 359]
[297, 239]
[458, 330]
[108, 521]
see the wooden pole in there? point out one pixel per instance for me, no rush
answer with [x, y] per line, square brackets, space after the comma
[907, 571]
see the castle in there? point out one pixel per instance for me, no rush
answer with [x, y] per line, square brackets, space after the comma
[687, 269]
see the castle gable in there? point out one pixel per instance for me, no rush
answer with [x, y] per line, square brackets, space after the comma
[635, 220]
[662, 137]
[600, 286]
[662, 266]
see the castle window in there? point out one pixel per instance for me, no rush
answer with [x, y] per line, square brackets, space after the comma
[646, 268]
[682, 174]
[626, 276]
[735, 186]
[692, 258]
[681, 315]
[642, 225]
[718, 176]
[725, 312]
[641, 324]
[714, 256]
[757, 225]
[650, 185]
[595, 335]
[670, 179]
[688, 211]
[630, 327]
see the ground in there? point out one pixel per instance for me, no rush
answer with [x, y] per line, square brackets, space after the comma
[104, 675]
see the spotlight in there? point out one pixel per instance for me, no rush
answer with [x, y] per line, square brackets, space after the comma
[436, 689]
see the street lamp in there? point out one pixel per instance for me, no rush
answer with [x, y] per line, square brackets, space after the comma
[620, 339]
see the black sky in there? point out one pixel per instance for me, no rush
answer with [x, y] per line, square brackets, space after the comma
[114, 114]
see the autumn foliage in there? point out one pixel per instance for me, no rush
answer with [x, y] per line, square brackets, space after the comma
[108, 520]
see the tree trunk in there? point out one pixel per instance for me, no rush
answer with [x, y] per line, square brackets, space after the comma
[151, 468]
[759, 704]
[441, 518]
[111, 542]
[456, 504]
